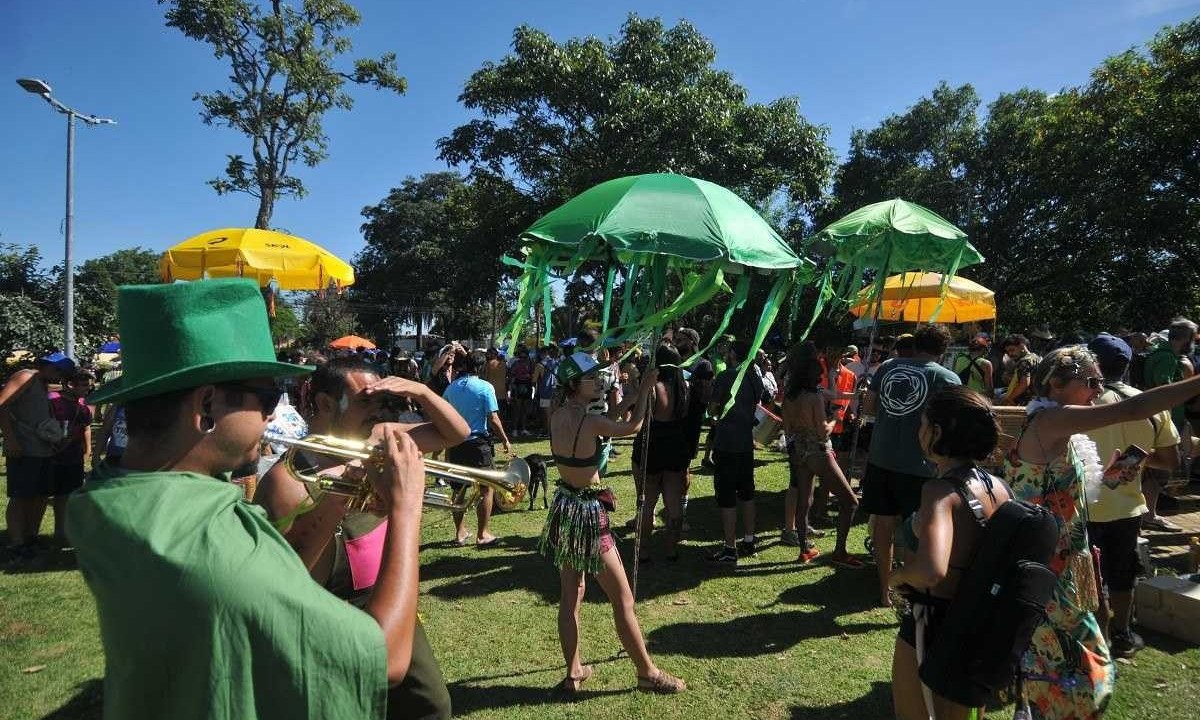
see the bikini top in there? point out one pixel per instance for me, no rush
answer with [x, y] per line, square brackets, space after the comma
[570, 460]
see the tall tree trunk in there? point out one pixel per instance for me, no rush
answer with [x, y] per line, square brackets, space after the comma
[420, 332]
[266, 208]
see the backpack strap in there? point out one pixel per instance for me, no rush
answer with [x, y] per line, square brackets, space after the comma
[964, 476]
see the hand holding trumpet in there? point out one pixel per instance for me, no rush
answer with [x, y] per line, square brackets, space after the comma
[399, 479]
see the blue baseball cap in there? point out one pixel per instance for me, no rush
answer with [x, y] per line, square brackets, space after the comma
[59, 360]
[1110, 347]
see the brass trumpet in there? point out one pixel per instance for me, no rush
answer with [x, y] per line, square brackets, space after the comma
[510, 483]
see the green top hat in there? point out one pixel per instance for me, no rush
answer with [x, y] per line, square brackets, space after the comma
[185, 335]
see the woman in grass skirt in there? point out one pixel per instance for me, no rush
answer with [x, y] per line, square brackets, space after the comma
[577, 535]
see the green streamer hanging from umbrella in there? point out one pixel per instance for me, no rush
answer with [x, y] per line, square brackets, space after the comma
[653, 227]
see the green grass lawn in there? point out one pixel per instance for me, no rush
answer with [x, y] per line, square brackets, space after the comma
[771, 640]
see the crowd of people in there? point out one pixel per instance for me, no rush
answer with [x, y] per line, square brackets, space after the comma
[924, 417]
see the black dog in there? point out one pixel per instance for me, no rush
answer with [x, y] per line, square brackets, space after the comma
[537, 478]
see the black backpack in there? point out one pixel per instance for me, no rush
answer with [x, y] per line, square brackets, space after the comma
[1001, 600]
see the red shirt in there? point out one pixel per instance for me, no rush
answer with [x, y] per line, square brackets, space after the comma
[78, 415]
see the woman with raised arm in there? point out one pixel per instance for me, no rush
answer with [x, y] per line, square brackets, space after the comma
[1068, 670]
[577, 535]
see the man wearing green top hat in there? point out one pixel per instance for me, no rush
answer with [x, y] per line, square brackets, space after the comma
[205, 611]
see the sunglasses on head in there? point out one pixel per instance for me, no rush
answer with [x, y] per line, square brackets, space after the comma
[268, 397]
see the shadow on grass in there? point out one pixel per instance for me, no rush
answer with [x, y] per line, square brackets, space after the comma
[517, 564]
[467, 698]
[761, 634]
[875, 704]
[87, 704]
[843, 591]
[51, 560]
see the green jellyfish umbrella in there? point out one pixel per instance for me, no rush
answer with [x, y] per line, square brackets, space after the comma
[889, 237]
[648, 228]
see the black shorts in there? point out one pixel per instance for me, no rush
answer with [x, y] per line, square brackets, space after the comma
[938, 607]
[1117, 541]
[28, 477]
[65, 478]
[693, 425]
[888, 492]
[668, 451]
[475, 452]
[733, 477]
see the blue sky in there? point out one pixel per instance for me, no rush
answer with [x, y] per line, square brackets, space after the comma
[142, 182]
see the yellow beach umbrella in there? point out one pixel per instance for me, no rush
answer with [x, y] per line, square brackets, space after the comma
[261, 255]
[912, 297]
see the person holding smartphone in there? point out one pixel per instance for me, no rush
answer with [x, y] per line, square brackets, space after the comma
[1115, 519]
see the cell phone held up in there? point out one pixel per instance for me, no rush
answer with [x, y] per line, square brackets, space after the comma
[1122, 467]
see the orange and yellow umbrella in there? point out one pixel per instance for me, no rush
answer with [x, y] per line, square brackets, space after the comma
[261, 255]
[912, 297]
[352, 342]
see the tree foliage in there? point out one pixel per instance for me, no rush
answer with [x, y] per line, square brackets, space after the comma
[27, 319]
[557, 118]
[561, 117]
[284, 78]
[431, 253]
[285, 325]
[327, 317]
[96, 283]
[1080, 201]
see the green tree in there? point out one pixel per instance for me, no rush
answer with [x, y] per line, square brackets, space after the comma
[558, 118]
[921, 155]
[283, 70]
[431, 253]
[27, 305]
[327, 317]
[1078, 200]
[96, 283]
[285, 325]
[561, 117]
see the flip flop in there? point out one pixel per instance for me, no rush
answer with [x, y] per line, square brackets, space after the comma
[569, 687]
[663, 684]
[494, 542]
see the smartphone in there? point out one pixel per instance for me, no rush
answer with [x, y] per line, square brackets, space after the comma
[1132, 457]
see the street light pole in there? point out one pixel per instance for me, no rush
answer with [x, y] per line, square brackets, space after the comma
[68, 266]
[40, 88]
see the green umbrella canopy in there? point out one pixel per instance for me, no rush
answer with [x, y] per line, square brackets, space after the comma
[666, 214]
[889, 238]
[903, 236]
[646, 228]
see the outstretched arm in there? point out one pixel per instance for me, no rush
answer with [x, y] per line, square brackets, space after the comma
[1056, 424]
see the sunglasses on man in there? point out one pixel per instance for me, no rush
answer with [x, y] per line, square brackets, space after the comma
[268, 397]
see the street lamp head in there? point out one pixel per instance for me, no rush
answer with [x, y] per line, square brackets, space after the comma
[35, 86]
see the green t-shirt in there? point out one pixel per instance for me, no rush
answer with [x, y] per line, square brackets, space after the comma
[904, 385]
[1163, 366]
[206, 612]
